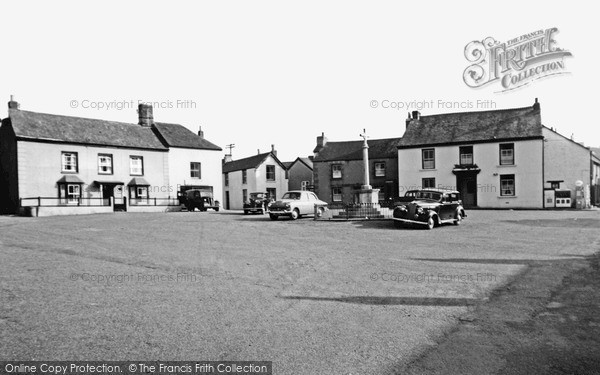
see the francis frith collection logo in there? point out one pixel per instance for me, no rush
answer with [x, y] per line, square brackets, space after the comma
[514, 63]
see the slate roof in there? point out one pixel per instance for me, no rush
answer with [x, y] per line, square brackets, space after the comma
[473, 127]
[249, 162]
[175, 135]
[352, 150]
[67, 129]
[288, 164]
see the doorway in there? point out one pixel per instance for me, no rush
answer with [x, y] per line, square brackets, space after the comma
[466, 184]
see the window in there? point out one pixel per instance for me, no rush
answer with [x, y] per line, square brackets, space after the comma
[244, 195]
[507, 185]
[105, 164]
[466, 155]
[336, 193]
[73, 193]
[69, 162]
[381, 194]
[136, 165]
[507, 154]
[195, 169]
[304, 185]
[142, 192]
[380, 169]
[244, 177]
[227, 179]
[336, 171]
[428, 183]
[272, 193]
[270, 173]
[428, 158]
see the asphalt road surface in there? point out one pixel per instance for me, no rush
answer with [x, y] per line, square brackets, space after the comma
[313, 297]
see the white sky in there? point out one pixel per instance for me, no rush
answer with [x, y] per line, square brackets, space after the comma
[266, 72]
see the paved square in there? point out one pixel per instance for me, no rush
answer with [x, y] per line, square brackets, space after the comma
[313, 297]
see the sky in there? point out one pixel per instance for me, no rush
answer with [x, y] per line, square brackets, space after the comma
[259, 73]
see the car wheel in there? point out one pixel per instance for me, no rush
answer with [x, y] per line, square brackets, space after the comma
[320, 212]
[262, 212]
[295, 214]
[245, 212]
[190, 208]
[398, 224]
[217, 209]
[458, 219]
[273, 217]
[430, 223]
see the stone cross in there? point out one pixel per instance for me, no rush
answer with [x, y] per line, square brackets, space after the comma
[365, 147]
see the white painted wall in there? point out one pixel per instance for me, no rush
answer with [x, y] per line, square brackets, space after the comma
[39, 168]
[527, 170]
[179, 170]
[280, 183]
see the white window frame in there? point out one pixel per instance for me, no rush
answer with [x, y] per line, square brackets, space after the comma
[429, 162]
[336, 197]
[336, 171]
[304, 185]
[379, 170]
[507, 153]
[69, 162]
[73, 193]
[105, 161]
[133, 167]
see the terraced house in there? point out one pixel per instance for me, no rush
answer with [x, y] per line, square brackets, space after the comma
[53, 164]
[496, 159]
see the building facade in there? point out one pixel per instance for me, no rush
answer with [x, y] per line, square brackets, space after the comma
[260, 173]
[496, 159]
[68, 165]
[300, 174]
[338, 169]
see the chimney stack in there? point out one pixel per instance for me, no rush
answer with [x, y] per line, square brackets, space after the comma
[273, 151]
[13, 104]
[200, 132]
[321, 142]
[145, 116]
[227, 158]
[416, 115]
[536, 105]
[258, 151]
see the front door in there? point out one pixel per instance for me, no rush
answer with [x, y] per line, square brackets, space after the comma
[467, 186]
[108, 191]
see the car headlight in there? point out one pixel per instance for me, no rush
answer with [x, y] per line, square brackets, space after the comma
[287, 206]
[420, 210]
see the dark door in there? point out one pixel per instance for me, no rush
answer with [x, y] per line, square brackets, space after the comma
[467, 186]
[108, 192]
[226, 200]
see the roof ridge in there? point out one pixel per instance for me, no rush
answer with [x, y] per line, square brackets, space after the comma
[81, 118]
[473, 112]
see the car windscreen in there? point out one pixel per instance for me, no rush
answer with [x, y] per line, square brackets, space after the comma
[291, 196]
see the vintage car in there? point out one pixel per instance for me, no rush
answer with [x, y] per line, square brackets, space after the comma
[297, 203]
[200, 199]
[429, 207]
[257, 203]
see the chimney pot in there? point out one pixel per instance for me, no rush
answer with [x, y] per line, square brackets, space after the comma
[145, 115]
[416, 115]
[273, 151]
[12, 104]
[200, 132]
[536, 105]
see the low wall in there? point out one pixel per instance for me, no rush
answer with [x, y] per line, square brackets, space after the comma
[141, 208]
[65, 210]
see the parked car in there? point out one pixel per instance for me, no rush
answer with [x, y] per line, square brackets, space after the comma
[200, 199]
[295, 204]
[429, 207]
[257, 203]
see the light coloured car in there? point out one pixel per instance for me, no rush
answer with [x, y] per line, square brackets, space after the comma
[297, 203]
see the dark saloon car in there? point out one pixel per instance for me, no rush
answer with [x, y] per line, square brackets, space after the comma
[200, 199]
[257, 203]
[429, 207]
